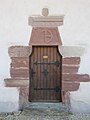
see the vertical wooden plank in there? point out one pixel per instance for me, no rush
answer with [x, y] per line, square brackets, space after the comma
[45, 77]
[41, 69]
[55, 73]
[39, 74]
[49, 71]
[48, 76]
[52, 72]
[34, 75]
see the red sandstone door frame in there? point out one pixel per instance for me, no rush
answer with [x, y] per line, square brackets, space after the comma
[45, 74]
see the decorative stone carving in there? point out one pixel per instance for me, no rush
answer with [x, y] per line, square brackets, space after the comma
[45, 36]
[45, 11]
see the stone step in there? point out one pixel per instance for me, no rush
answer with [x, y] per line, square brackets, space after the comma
[46, 108]
[44, 112]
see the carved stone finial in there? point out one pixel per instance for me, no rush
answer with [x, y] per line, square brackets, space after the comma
[45, 11]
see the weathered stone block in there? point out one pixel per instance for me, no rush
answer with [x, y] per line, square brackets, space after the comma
[23, 96]
[70, 86]
[69, 69]
[46, 36]
[71, 60]
[21, 72]
[43, 21]
[75, 77]
[20, 62]
[16, 82]
[19, 51]
[66, 97]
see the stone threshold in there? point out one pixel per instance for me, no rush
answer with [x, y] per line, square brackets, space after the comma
[47, 106]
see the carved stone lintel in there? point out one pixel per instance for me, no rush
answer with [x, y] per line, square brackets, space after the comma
[45, 36]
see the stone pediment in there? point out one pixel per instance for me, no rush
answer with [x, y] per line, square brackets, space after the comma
[45, 36]
[45, 29]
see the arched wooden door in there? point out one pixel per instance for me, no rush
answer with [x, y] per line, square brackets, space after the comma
[45, 74]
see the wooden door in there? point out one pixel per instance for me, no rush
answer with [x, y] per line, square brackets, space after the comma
[45, 74]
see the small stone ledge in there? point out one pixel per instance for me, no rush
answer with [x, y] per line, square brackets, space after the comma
[16, 82]
[75, 77]
[71, 51]
[70, 69]
[19, 51]
[45, 21]
[71, 61]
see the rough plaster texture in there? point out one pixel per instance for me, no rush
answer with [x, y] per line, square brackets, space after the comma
[71, 51]
[14, 30]
[9, 99]
[80, 100]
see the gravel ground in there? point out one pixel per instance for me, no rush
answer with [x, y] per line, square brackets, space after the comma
[50, 114]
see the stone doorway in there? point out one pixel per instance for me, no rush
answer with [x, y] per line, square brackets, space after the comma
[45, 33]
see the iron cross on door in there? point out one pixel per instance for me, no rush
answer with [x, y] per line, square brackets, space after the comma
[45, 74]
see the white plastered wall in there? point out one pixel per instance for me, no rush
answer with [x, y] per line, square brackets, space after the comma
[14, 30]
